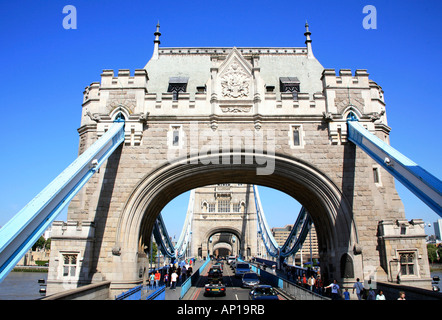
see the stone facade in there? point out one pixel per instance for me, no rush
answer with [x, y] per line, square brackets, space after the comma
[224, 221]
[204, 116]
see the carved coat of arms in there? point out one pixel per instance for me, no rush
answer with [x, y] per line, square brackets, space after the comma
[235, 82]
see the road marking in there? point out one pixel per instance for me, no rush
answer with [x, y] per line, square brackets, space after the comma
[197, 293]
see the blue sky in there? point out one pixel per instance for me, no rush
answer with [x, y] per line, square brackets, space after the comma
[45, 69]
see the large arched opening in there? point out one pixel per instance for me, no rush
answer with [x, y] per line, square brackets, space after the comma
[330, 211]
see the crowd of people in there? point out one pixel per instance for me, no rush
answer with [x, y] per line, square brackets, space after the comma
[313, 281]
[172, 274]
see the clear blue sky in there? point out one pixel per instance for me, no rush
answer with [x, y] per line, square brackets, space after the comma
[45, 69]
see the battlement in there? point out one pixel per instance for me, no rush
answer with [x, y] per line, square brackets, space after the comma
[73, 229]
[124, 79]
[345, 79]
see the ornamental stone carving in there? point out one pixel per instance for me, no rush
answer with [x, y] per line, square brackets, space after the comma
[236, 109]
[235, 82]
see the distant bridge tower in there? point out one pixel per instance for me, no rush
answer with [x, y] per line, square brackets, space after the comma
[224, 221]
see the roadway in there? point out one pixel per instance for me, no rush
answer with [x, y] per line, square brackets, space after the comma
[234, 291]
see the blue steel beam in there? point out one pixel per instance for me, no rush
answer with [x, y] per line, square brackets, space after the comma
[186, 232]
[269, 241]
[423, 184]
[24, 229]
[298, 234]
[162, 236]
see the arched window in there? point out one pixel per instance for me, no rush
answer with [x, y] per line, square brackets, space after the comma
[347, 270]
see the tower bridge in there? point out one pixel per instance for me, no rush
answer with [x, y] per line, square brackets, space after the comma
[194, 117]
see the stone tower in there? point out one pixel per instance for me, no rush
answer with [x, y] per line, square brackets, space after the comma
[255, 115]
[224, 221]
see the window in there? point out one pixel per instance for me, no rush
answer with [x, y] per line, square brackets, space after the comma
[175, 135]
[296, 136]
[376, 175]
[69, 265]
[289, 84]
[212, 207]
[237, 207]
[177, 85]
[223, 205]
[407, 263]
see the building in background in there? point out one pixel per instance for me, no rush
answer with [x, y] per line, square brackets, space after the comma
[303, 254]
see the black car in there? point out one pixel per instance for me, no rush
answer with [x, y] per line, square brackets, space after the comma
[263, 292]
[214, 275]
[215, 288]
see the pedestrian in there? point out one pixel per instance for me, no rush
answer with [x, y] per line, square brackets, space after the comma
[178, 272]
[166, 280]
[151, 279]
[319, 285]
[311, 282]
[157, 278]
[380, 295]
[299, 281]
[346, 294]
[335, 290]
[173, 278]
[304, 281]
[371, 294]
[359, 289]
[183, 274]
[401, 295]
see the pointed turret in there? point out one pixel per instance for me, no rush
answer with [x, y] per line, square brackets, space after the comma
[156, 42]
[308, 42]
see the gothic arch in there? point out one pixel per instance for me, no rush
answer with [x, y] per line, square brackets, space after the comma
[327, 206]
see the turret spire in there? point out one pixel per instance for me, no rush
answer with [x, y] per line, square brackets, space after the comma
[308, 41]
[156, 42]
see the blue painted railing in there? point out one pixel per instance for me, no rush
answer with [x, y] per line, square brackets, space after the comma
[135, 294]
[193, 279]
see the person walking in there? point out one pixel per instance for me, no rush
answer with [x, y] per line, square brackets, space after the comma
[346, 294]
[157, 278]
[299, 281]
[173, 278]
[311, 282]
[152, 280]
[359, 289]
[319, 285]
[335, 290]
[304, 281]
[166, 280]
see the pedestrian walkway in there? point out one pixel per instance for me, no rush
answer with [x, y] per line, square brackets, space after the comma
[175, 294]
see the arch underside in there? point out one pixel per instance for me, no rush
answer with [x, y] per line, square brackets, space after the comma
[324, 201]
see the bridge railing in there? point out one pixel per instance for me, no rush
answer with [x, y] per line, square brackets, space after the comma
[193, 279]
[298, 292]
[136, 293]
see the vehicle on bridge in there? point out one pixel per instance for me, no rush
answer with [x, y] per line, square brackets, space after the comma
[215, 275]
[218, 266]
[230, 259]
[241, 269]
[215, 288]
[263, 292]
[250, 279]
